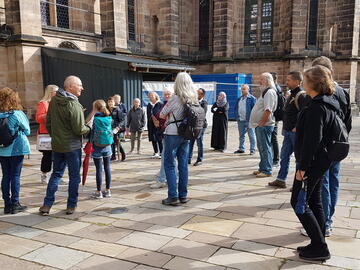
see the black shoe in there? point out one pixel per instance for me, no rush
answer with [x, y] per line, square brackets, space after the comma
[7, 209]
[239, 152]
[70, 210]
[170, 201]
[183, 200]
[189, 161]
[302, 248]
[123, 156]
[315, 254]
[197, 163]
[17, 208]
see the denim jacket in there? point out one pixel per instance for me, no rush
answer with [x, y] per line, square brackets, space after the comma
[18, 123]
[250, 103]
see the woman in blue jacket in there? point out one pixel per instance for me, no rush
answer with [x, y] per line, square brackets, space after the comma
[243, 108]
[14, 123]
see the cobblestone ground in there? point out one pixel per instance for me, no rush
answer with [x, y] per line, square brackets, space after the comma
[233, 221]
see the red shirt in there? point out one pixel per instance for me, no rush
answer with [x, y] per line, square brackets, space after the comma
[41, 111]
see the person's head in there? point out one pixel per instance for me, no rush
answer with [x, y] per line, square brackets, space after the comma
[110, 103]
[266, 80]
[185, 89]
[117, 99]
[167, 93]
[294, 79]
[244, 89]
[222, 96]
[323, 61]
[274, 76]
[100, 106]
[136, 103]
[50, 91]
[73, 85]
[153, 96]
[9, 100]
[318, 80]
[201, 93]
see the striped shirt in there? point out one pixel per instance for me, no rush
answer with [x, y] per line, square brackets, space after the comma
[174, 107]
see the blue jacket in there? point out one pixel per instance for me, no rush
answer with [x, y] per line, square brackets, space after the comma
[250, 103]
[18, 122]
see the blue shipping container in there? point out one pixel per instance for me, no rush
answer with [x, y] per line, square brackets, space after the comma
[228, 83]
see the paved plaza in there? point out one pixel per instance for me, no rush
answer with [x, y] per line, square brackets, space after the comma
[233, 220]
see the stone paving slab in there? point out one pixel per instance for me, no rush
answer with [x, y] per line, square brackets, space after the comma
[233, 220]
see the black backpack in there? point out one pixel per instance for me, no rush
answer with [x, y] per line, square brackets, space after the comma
[279, 112]
[6, 138]
[338, 146]
[194, 120]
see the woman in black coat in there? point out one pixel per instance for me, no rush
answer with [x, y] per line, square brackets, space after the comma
[220, 123]
[313, 132]
[153, 125]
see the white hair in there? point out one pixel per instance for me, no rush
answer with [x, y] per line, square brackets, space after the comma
[269, 80]
[155, 94]
[185, 89]
[137, 99]
[69, 80]
[168, 90]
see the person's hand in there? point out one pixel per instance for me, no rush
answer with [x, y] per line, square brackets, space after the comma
[300, 175]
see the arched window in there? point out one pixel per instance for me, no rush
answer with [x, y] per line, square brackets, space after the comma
[204, 24]
[131, 19]
[155, 24]
[312, 22]
[68, 45]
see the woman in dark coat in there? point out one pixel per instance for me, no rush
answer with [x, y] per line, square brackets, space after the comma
[220, 123]
[313, 133]
[153, 124]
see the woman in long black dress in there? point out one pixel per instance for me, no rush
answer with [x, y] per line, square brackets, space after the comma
[220, 123]
[153, 125]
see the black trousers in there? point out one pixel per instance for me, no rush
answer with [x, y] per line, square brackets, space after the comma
[275, 144]
[46, 161]
[156, 148]
[313, 220]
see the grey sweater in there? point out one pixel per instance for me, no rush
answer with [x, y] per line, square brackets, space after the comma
[136, 119]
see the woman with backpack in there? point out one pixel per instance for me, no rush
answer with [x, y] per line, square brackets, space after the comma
[153, 108]
[177, 146]
[14, 145]
[41, 111]
[220, 123]
[313, 134]
[102, 139]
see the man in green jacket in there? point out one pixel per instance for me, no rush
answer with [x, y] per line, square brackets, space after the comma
[66, 126]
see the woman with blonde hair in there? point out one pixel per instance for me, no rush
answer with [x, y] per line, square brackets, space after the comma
[41, 111]
[175, 145]
[102, 139]
[313, 133]
[14, 144]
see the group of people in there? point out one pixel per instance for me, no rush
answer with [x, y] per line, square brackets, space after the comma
[307, 118]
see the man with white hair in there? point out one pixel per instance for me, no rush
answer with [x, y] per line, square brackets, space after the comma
[66, 125]
[263, 120]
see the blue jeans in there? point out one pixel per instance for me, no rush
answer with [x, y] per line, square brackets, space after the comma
[263, 138]
[330, 191]
[162, 175]
[286, 150]
[243, 127]
[176, 147]
[98, 164]
[11, 170]
[199, 143]
[73, 161]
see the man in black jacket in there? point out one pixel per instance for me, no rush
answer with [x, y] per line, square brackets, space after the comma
[293, 105]
[199, 141]
[331, 178]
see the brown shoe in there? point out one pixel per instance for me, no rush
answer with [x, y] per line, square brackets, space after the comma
[277, 183]
[255, 172]
[70, 211]
[263, 175]
[44, 210]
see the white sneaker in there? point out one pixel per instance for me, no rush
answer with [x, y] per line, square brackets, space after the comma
[303, 232]
[106, 194]
[44, 179]
[156, 155]
[97, 195]
[158, 185]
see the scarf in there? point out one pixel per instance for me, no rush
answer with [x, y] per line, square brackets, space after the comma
[221, 103]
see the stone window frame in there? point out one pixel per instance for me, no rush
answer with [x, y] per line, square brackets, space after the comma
[312, 24]
[210, 7]
[258, 22]
[131, 19]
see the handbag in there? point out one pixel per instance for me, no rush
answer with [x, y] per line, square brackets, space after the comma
[43, 142]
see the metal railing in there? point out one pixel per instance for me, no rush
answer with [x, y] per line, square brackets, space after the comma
[61, 15]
